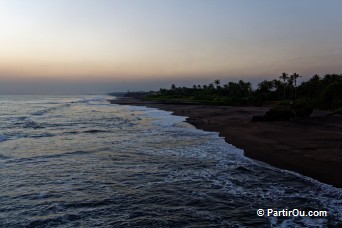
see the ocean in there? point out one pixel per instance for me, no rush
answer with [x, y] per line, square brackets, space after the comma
[75, 161]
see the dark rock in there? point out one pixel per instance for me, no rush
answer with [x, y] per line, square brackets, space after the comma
[279, 114]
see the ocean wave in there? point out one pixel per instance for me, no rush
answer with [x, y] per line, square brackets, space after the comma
[3, 138]
[97, 100]
[36, 159]
[156, 171]
[90, 99]
[4, 157]
[51, 109]
[94, 131]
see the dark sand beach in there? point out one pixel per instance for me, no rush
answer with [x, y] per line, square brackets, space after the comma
[312, 146]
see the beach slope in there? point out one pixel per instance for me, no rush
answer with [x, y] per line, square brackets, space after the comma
[312, 146]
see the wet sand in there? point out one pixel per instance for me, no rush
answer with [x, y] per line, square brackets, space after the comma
[312, 146]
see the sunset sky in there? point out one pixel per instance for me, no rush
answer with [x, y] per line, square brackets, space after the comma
[80, 46]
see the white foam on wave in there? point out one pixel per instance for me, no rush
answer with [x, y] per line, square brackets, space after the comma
[166, 119]
[225, 147]
[93, 99]
[208, 146]
[96, 101]
[216, 148]
[50, 109]
[323, 186]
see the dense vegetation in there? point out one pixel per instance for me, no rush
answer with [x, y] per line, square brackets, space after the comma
[318, 92]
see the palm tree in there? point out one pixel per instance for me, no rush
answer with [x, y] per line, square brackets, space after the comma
[245, 88]
[211, 86]
[315, 78]
[278, 86]
[226, 88]
[294, 78]
[284, 77]
[217, 83]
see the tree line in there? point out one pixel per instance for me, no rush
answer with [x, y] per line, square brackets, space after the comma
[320, 92]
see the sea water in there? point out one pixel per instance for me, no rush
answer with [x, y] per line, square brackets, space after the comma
[81, 161]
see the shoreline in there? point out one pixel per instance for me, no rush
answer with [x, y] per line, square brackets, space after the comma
[311, 147]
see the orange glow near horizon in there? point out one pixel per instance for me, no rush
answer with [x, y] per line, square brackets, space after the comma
[115, 40]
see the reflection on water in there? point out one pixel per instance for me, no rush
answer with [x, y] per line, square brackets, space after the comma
[78, 161]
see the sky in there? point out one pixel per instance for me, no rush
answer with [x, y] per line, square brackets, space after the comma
[99, 46]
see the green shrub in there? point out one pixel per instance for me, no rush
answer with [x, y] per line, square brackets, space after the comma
[260, 99]
[279, 114]
[302, 108]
